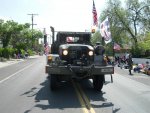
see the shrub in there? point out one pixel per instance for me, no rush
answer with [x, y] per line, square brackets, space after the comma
[30, 52]
[12, 51]
[6, 53]
[136, 52]
[22, 52]
[1, 50]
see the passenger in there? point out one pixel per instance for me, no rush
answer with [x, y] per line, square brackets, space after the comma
[81, 40]
[99, 52]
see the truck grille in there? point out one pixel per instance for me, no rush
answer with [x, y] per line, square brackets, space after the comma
[78, 55]
[76, 52]
[73, 54]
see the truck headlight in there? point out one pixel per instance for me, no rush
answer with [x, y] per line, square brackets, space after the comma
[65, 52]
[49, 59]
[91, 53]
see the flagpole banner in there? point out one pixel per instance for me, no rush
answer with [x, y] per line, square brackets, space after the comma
[95, 21]
[117, 46]
[105, 31]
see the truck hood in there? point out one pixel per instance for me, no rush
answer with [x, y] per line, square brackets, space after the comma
[66, 46]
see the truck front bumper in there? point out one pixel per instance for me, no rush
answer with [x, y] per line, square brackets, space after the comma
[69, 70]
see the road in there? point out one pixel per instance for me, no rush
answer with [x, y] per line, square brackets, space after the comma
[25, 89]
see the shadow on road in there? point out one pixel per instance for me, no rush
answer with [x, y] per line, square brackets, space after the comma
[65, 97]
[97, 99]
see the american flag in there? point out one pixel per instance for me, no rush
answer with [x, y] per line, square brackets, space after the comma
[70, 39]
[46, 49]
[95, 21]
[105, 30]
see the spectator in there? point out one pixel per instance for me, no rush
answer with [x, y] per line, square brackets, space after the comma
[130, 63]
[138, 68]
[26, 54]
[147, 68]
[108, 60]
[127, 55]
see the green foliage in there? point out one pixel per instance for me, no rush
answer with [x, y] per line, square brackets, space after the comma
[96, 37]
[21, 46]
[136, 52]
[127, 19]
[1, 49]
[12, 51]
[30, 52]
[19, 36]
[8, 52]
[23, 52]
[109, 49]
[144, 45]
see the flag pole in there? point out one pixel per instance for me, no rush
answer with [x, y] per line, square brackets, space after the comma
[112, 47]
[113, 52]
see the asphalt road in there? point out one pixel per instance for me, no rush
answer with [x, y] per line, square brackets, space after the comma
[25, 89]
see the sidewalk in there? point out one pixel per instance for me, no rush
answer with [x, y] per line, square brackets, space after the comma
[14, 61]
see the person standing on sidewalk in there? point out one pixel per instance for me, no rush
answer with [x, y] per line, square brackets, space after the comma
[130, 64]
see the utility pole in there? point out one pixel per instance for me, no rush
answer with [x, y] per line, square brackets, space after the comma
[32, 16]
[45, 36]
[53, 33]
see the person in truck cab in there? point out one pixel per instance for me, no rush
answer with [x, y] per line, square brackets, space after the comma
[99, 54]
[81, 40]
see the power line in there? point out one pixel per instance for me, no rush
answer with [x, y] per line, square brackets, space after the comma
[32, 16]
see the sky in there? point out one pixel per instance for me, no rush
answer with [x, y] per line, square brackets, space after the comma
[63, 15]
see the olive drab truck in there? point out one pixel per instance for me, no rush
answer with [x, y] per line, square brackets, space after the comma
[74, 57]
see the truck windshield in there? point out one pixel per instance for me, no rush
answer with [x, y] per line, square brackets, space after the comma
[72, 39]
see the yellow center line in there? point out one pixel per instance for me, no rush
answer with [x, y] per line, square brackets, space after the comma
[83, 99]
[80, 99]
[86, 99]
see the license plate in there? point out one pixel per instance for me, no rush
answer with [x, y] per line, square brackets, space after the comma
[107, 70]
[79, 62]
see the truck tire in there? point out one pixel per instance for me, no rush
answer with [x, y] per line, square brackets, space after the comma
[53, 82]
[98, 82]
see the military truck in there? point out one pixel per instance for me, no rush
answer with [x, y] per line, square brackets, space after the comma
[74, 57]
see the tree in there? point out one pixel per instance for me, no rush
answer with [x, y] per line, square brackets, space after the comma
[21, 37]
[127, 21]
[145, 16]
[1, 28]
[8, 29]
[116, 15]
[145, 44]
[24, 40]
[136, 11]
[18, 37]
[36, 35]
